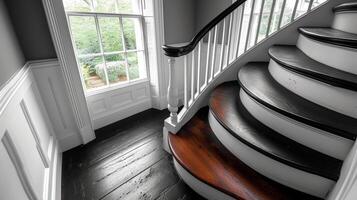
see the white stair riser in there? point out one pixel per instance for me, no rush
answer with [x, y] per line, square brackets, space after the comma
[304, 134]
[345, 21]
[341, 58]
[335, 98]
[200, 187]
[284, 174]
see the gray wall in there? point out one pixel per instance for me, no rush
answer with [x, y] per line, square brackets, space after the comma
[179, 17]
[30, 24]
[11, 57]
[184, 18]
[206, 10]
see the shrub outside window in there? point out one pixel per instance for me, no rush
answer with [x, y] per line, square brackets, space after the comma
[108, 40]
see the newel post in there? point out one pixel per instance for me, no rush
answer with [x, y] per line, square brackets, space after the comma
[172, 92]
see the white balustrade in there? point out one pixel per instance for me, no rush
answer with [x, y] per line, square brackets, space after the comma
[222, 45]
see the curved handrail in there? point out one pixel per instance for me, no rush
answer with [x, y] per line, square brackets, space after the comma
[172, 51]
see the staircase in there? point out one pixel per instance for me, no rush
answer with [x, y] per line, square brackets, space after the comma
[281, 130]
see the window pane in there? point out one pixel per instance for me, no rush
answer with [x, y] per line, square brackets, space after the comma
[84, 34]
[111, 34]
[117, 6]
[93, 72]
[132, 34]
[77, 5]
[137, 66]
[116, 68]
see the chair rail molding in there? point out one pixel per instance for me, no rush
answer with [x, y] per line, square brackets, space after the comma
[61, 38]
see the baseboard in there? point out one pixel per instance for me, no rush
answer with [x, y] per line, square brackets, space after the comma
[122, 113]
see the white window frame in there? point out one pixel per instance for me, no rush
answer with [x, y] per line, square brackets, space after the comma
[120, 16]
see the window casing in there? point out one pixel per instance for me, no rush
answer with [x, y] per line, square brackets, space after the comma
[109, 42]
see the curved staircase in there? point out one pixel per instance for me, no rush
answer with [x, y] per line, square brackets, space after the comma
[284, 128]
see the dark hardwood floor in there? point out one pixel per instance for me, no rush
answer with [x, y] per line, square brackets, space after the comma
[126, 161]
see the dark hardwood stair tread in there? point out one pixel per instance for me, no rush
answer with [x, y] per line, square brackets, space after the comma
[350, 6]
[227, 108]
[294, 59]
[331, 36]
[255, 79]
[197, 149]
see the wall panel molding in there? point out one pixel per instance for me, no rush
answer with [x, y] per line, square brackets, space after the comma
[34, 132]
[18, 165]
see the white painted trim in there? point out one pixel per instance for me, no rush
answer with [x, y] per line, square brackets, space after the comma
[122, 113]
[18, 165]
[300, 180]
[201, 188]
[9, 89]
[160, 100]
[34, 132]
[61, 38]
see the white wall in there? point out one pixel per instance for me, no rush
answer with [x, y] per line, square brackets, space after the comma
[30, 156]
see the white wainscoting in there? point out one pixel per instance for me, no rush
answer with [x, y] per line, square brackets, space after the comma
[116, 104]
[30, 156]
[49, 78]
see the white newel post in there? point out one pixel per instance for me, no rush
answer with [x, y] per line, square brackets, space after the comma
[172, 92]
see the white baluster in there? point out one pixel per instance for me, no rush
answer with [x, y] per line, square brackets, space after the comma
[193, 77]
[310, 5]
[281, 14]
[172, 93]
[259, 21]
[229, 39]
[199, 68]
[208, 57]
[249, 27]
[240, 28]
[186, 82]
[222, 45]
[270, 18]
[294, 11]
[214, 53]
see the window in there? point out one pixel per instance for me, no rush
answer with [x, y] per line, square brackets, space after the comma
[108, 40]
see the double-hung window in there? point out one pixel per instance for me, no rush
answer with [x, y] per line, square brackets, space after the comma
[108, 40]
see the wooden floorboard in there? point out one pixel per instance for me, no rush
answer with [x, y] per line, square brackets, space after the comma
[126, 161]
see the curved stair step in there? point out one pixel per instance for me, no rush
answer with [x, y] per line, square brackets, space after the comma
[204, 159]
[256, 81]
[345, 16]
[346, 7]
[294, 59]
[226, 107]
[331, 36]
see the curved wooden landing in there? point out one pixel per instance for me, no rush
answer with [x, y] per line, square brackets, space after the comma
[197, 149]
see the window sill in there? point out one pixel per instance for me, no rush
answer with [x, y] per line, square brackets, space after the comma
[115, 87]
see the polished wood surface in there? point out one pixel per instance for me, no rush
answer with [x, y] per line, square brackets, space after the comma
[331, 36]
[256, 80]
[295, 60]
[227, 108]
[127, 162]
[197, 149]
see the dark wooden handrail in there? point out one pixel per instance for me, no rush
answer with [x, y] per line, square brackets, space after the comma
[186, 49]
